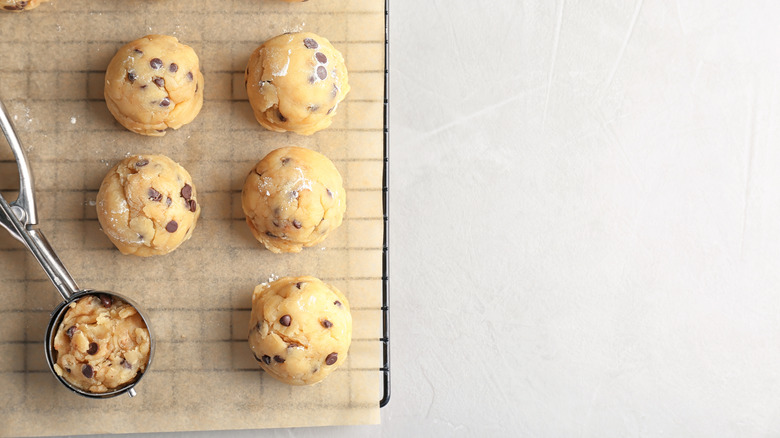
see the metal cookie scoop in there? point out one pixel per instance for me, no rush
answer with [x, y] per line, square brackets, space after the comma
[20, 219]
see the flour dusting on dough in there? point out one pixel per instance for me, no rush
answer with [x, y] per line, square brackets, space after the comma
[283, 71]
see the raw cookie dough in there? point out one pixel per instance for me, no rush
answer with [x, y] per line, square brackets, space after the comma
[295, 82]
[293, 198]
[102, 344]
[19, 5]
[147, 205]
[154, 83]
[300, 329]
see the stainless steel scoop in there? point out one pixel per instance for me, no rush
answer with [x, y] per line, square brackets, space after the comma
[20, 219]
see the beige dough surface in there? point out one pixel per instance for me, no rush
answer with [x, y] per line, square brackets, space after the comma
[102, 344]
[19, 5]
[293, 198]
[147, 205]
[154, 83]
[300, 329]
[295, 82]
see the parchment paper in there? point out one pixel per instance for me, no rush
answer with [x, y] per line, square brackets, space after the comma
[52, 63]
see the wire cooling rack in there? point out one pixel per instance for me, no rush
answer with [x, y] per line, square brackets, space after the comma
[54, 86]
[386, 207]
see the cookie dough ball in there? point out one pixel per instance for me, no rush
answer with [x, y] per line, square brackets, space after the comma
[147, 205]
[154, 83]
[295, 82]
[19, 5]
[293, 198]
[102, 344]
[300, 329]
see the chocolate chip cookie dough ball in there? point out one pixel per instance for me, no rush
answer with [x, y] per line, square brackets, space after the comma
[154, 83]
[19, 5]
[102, 344]
[147, 205]
[300, 329]
[293, 198]
[295, 82]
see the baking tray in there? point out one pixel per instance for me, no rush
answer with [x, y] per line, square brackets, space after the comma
[49, 169]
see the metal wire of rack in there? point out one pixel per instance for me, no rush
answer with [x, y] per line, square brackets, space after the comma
[385, 207]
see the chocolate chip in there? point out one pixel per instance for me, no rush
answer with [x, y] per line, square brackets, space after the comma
[106, 300]
[322, 72]
[142, 163]
[156, 63]
[310, 43]
[338, 303]
[279, 359]
[282, 118]
[321, 57]
[131, 76]
[334, 92]
[330, 110]
[331, 359]
[196, 87]
[154, 195]
[71, 331]
[285, 320]
[314, 108]
[160, 130]
[172, 227]
[165, 102]
[299, 284]
[93, 348]
[189, 76]
[294, 194]
[160, 82]
[285, 160]
[312, 79]
[329, 192]
[168, 201]
[327, 324]
[126, 364]
[193, 206]
[297, 224]
[143, 87]
[87, 371]
[12, 8]
[138, 51]
[173, 68]
[267, 359]
[68, 370]
[270, 234]
[186, 192]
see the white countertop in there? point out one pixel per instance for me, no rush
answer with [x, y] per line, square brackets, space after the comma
[585, 220]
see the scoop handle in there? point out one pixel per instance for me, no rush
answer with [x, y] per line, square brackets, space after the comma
[20, 217]
[39, 246]
[24, 205]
